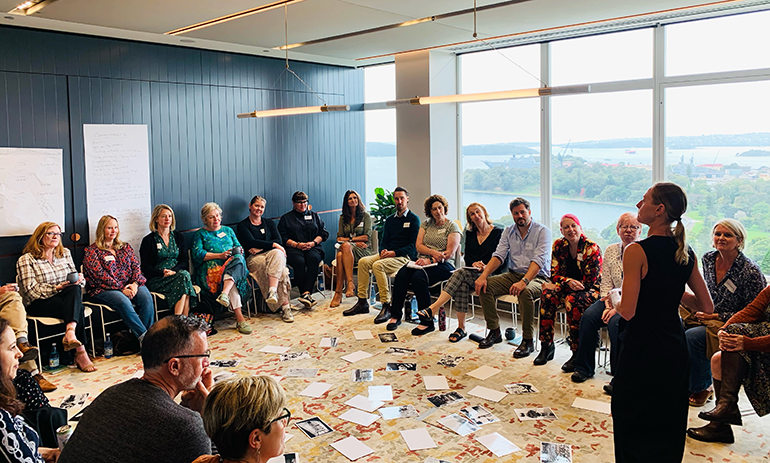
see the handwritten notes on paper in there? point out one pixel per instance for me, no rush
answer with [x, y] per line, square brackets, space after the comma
[31, 189]
[118, 178]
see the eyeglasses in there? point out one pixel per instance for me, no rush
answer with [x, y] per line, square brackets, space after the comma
[630, 227]
[300, 202]
[52, 234]
[206, 354]
[286, 416]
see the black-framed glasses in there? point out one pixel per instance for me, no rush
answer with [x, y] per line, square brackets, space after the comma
[52, 234]
[286, 416]
[206, 354]
[304, 201]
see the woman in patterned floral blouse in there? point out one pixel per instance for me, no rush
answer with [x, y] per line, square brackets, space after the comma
[113, 278]
[576, 266]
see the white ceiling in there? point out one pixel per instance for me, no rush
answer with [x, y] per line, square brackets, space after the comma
[262, 33]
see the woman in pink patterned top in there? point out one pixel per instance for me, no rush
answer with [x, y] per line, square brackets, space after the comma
[113, 277]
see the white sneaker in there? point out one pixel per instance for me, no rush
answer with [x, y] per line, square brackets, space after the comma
[286, 315]
[272, 297]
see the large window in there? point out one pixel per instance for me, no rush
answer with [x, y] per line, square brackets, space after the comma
[380, 85]
[732, 43]
[601, 162]
[501, 140]
[718, 149]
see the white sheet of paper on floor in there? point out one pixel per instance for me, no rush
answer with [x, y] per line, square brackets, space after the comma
[520, 388]
[435, 383]
[286, 458]
[328, 342]
[401, 411]
[526, 414]
[356, 356]
[498, 444]
[487, 393]
[301, 372]
[352, 448]
[364, 403]
[274, 349]
[359, 417]
[484, 372]
[459, 424]
[287, 436]
[138, 374]
[435, 460]
[418, 439]
[552, 452]
[316, 389]
[593, 405]
[276, 378]
[383, 393]
[363, 335]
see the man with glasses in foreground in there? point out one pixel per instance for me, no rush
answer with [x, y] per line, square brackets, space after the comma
[138, 420]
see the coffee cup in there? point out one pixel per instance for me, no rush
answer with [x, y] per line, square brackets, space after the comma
[73, 277]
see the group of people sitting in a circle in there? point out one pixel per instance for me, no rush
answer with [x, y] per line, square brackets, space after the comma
[670, 347]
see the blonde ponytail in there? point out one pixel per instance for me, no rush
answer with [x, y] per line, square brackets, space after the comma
[682, 257]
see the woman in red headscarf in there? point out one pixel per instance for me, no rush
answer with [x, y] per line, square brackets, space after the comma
[576, 267]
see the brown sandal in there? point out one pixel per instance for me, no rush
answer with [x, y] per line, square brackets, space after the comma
[88, 367]
[699, 399]
[69, 345]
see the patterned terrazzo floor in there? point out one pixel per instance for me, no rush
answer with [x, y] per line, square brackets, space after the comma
[589, 433]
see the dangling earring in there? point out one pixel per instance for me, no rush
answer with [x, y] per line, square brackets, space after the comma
[258, 460]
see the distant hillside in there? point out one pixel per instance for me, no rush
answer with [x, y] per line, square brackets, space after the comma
[743, 139]
[755, 153]
[377, 149]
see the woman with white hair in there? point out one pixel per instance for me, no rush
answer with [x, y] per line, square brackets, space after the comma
[219, 266]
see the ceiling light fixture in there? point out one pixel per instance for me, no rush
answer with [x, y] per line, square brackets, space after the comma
[300, 110]
[294, 111]
[486, 96]
[230, 17]
[31, 7]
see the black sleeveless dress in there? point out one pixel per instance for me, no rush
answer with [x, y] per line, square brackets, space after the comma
[649, 397]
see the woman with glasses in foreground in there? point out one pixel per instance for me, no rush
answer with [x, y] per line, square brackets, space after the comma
[246, 418]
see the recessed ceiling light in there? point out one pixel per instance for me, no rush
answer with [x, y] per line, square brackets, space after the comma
[187, 41]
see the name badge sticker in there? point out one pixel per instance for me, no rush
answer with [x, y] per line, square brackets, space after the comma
[360, 225]
[730, 286]
[262, 230]
[160, 246]
[308, 217]
[221, 234]
[406, 224]
[528, 246]
[109, 258]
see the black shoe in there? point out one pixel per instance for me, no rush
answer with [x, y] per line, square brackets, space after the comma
[546, 354]
[713, 432]
[360, 307]
[525, 348]
[493, 337]
[608, 389]
[384, 314]
[428, 328]
[393, 326]
[307, 300]
[578, 377]
[569, 366]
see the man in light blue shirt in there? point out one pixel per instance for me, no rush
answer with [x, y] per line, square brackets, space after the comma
[527, 246]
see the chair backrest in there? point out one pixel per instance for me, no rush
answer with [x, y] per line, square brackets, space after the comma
[375, 242]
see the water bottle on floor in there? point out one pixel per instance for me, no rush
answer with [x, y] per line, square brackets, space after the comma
[53, 359]
[108, 351]
[414, 308]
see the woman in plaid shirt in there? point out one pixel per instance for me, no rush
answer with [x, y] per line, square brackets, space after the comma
[47, 292]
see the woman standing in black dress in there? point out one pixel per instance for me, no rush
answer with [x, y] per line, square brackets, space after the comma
[649, 400]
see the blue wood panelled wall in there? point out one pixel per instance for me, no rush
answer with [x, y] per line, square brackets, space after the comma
[52, 83]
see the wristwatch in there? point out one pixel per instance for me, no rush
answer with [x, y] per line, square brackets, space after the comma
[525, 280]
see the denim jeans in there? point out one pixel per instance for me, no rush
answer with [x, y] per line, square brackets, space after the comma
[700, 365]
[590, 323]
[137, 313]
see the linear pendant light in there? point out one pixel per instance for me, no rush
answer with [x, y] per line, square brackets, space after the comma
[294, 111]
[491, 96]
